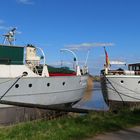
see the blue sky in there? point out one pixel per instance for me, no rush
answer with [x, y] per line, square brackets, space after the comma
[55, 24]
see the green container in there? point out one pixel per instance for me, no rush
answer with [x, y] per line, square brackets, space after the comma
[11, 55]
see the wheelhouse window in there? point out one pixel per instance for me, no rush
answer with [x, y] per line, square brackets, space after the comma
[134, 67]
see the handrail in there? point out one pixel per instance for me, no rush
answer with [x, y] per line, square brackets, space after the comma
[115, 72]
[72, 54]
[42, 54]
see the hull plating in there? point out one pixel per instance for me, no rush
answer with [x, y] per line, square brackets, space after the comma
[121, 88]
[44, 91]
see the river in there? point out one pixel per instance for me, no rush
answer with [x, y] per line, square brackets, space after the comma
[93, 99]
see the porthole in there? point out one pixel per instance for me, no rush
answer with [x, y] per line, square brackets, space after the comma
[122, 81]
[48, 84]
[30, 85]
[138, 82]
[63, 83]
[17, 85]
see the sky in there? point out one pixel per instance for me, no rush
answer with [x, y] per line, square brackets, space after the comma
[56, 24]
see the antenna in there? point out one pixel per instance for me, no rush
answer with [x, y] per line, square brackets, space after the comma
[87, 58]
[10, 37]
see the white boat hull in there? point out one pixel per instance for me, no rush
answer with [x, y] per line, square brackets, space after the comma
[43, 90]
[121, 88]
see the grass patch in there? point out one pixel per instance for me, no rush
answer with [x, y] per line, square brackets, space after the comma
[71, 128]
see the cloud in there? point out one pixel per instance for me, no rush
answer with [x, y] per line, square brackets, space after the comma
[1, 21]
[2, 27]
[87, 45]
[26, 2]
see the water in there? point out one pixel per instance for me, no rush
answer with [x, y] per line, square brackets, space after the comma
[95, 102]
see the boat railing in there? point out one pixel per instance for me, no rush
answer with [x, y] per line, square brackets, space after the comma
[123, 72]
[137, 72]
[115, 72]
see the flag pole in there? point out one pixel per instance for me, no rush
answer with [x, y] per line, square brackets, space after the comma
[107, 61]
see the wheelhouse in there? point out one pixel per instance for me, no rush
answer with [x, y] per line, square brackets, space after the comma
[134, 67]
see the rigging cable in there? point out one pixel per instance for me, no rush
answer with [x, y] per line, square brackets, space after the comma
[18, 78]
[119, 93]
[115, 90]
[124, 87]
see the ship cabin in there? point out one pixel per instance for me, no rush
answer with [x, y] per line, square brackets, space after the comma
[11, 55]
[12, 60]
[134, 67]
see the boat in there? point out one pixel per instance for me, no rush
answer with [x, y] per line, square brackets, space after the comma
[121, 86]
[26, 79]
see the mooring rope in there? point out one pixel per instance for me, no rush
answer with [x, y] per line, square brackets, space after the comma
[119, 93]
[124, 87]
[115, 90]
[18, 78]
